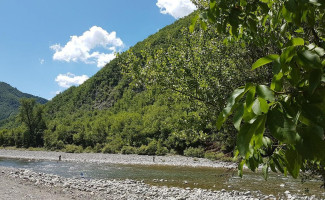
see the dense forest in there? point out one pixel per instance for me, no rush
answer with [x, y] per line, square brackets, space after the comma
[118, 110]
[9, 100]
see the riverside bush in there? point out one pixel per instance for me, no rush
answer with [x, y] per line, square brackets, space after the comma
[152, 147]
[98, 148]
[161, 150]
[213, 155]
[142, 150]
[71, 148]
[88, 150]
[109, 148]
[194, 152]
[128, 150]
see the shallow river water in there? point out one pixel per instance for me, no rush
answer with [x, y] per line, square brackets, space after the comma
[199, 177]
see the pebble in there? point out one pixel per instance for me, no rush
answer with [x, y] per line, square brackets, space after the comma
[116, 189]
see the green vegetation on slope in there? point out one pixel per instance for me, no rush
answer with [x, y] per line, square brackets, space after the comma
[118, 110]
[9, 100]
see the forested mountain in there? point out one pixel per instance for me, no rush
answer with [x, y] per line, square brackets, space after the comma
[9, 100]
[135, 105]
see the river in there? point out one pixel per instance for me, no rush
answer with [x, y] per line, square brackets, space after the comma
[193, 177]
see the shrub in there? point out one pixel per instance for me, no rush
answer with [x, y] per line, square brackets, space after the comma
[161, 150]
[88, 150]
[228, 159]
[128, 150]
[98, 148]
[173, 152]
[213, 155]
[142, 150]
[109, 148]
[71, 148]
[152, 147]
[194, 152]
[59, 144]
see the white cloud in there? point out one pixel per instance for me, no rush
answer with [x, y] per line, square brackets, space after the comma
[79, 48]
[69, 79]
[176, 8]
[41, 61]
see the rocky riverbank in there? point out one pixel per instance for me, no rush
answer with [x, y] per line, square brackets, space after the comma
[79, 188]
[21, 183]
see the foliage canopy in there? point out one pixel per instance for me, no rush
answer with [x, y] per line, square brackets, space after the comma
[280, 125]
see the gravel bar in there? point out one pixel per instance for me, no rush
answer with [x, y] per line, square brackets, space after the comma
[133, 159]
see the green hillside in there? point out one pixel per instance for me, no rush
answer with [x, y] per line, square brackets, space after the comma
[134, 105]
[9, 100]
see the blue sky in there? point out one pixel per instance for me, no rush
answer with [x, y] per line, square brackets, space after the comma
[48, 45]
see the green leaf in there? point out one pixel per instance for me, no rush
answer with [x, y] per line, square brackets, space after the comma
[315, 78]
[229, 107]
[256, 107]
[265, 170]
[278, 163]
[250, 136]
[320, 51]
[252, 163]
[294, 162]
[243, 3]
[310, 59]
[240, 168]
[267, 142]
[260, 106]
[294, 75]
[203, 24]
[265, 93]
[213, 4]
[315, 113]
[264, 106]
[193, 23]
[248, 114]
[232, 104]
[299, 30]
[250, 98]
[238, 116]
[276, 68]
[286, 14]
[297, 42]
[272, 166]
[265, 60]
[312, 145]
[287, 54]
[277, 84]
[282, 128]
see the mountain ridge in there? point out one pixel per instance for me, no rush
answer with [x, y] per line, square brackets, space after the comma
[9, 100]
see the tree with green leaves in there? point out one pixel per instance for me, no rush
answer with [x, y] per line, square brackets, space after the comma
[197, 68]
[31, 115]
[280, 125]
